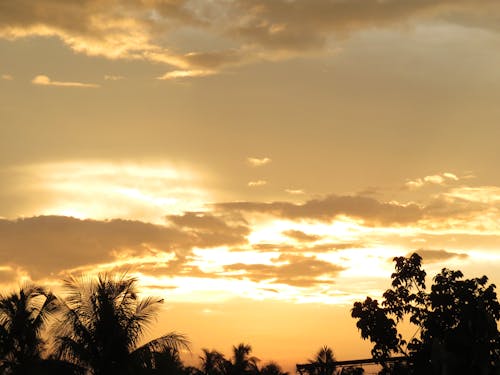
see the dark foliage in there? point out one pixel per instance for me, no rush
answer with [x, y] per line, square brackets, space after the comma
[456, 320]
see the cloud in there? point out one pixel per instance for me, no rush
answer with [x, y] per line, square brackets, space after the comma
[7, 77]
[295, 191]
[329, 207]
[258, 162]
[479, 194]
[303, 25]
[301, 236]
[101, 190]
[244, 31]
[210, 230]
[435, 256]
[436, 179]
[8, 275]
[46, 81]
[110, 77]
[314, 248]
[175, 74]
[293, 270]
[48, 245]
[257, 183]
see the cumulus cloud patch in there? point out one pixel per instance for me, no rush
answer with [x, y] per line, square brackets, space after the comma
[436, 179]
[258, 162]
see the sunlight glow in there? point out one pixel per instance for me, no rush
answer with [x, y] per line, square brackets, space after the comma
[103, 190]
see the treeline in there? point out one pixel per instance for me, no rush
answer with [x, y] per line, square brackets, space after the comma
[96, 329]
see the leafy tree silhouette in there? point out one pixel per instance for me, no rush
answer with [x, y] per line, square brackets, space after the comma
[101, 323]
[23, 316]
[456, 320]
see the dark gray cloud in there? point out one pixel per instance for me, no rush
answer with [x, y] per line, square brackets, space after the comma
[434, 256]
[250, 29]
[307, 24]
[48, 245]
[211, 230]
[298, 271]
[327, 208]
[301, 236]
[320, 248]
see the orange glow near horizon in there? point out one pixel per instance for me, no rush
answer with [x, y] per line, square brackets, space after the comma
[256, 164]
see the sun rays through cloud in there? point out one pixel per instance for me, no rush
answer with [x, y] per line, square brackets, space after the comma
[257, 164]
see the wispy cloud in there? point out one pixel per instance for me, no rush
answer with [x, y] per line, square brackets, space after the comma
[175, 74]
[257, 183]
[436, 179]
[43, 80]
[295, 191]
[109, 77]
[480, 194]
[7, 77]
[258, 162]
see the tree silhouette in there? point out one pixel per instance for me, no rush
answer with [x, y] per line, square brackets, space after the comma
[323, 362]
[456, 320]
[352, 370]
[272, 369]
[23, 316]
[101, 323]
[242, 363]
[213, 363]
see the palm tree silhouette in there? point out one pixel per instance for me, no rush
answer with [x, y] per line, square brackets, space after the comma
[242, 363]
[272, 368]
[213, 363]
[323, 362]
[102, 321]
[23, 316]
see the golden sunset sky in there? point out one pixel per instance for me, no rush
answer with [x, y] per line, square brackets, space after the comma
[257, 163]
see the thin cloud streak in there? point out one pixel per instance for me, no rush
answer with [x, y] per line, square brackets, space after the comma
[43, 80]
[177, 74]
[257, 183]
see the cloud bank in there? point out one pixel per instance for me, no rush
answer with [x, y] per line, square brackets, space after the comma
[243, 31]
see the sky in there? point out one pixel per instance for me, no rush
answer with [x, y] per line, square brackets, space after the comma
[257, 163]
